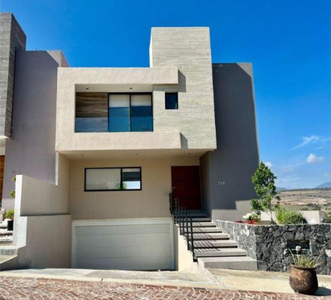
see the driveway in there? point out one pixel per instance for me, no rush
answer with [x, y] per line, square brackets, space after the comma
[94, 284]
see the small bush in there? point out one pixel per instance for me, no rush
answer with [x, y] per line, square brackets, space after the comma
[286, 215]
[252, 217]
[305, 260]
[328, 218]
[10, 214]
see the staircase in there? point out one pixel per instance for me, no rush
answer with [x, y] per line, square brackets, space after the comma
[8, 252]
[212, 248]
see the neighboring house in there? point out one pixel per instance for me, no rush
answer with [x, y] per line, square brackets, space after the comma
[96, 151]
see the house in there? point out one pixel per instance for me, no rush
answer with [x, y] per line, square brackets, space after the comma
[97, 151]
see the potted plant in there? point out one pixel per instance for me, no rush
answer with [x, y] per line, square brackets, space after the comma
[303, 278]
[10, 222]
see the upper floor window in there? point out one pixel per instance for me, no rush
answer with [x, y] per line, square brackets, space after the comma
[102, 112]
[171, 100]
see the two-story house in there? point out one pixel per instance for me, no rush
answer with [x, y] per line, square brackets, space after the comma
[97, 151]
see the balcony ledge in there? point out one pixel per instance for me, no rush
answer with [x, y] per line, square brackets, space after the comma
[120, 141]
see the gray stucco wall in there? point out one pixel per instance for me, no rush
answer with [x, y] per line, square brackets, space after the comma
[12, 38]
[32, 151]
[226, 172]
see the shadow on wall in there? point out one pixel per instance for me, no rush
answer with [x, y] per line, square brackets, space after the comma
[32, 150]
[226, 172]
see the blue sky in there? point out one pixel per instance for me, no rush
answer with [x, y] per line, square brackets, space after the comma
[288, 43]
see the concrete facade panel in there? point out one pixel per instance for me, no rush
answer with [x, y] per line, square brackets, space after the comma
[226, 172]
[189, 50]
[32, 150]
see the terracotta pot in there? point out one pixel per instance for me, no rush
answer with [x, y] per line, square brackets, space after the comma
[303, 280]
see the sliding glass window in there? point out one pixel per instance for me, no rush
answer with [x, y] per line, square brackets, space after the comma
[130, 112]
[141, 113]
[112, 179]
[121, 112]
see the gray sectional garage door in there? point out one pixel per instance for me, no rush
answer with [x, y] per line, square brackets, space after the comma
[123, 245]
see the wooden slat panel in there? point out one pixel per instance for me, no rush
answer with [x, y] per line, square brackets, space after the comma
[91, 105]
[2, 168]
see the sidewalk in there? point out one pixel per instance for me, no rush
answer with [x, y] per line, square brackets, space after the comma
[101, 284]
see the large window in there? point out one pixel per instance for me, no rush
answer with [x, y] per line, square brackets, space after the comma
[112, 179]
[130, 112]
[102, 112]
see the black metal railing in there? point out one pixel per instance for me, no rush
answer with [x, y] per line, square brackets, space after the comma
[185, 223]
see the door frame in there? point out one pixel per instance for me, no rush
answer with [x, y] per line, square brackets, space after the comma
[201, 203]
[110, 222]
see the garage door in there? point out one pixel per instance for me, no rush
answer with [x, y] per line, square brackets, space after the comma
[123, 245]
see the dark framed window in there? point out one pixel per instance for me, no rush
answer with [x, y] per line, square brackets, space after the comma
[171, 100]
[114, 112]
[130, 112]
[112, 179]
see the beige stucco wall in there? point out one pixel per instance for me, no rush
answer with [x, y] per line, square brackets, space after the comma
[180, 62]
[183, 257]
[114, 79]
[47, 243]
[35, 197]
[187, 48]
[151, 201]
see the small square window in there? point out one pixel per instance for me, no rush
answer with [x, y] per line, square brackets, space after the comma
[171, 100]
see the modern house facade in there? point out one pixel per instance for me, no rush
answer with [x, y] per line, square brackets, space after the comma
[97, 151]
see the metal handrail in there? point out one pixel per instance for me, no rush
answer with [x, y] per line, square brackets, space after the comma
[180, 217]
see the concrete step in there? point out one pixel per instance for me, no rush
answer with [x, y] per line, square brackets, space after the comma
[8, 249]
[197, 213]
[203, 224]
[234, 263]
[218, 252]
[8, 262]
[199, 219]
[215, 244]
[204, 229]
[210, 236]
[5, 239]
[5, 232]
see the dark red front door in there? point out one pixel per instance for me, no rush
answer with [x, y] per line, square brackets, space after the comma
[186, 186]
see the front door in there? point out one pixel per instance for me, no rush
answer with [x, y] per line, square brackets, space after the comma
[186, 186]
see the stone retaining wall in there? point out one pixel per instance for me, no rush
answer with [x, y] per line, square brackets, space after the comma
[268, 244]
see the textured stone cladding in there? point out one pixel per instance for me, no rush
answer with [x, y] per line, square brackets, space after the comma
[12, 38]
[269, 244]
[189, 50]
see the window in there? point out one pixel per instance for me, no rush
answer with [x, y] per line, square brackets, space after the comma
[130, 112]
[103, 112]
[91, 112]
[112, 179]
[171, 100]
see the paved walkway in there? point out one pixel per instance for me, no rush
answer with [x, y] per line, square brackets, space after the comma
[37, 288]
[94, 284]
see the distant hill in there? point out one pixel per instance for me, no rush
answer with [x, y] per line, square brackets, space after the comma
[279, 189]
[325, 185]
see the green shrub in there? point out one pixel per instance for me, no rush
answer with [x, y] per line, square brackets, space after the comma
[328, 218]
[286, 215]
[265, 188]
[10, 214]
[306, 261]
